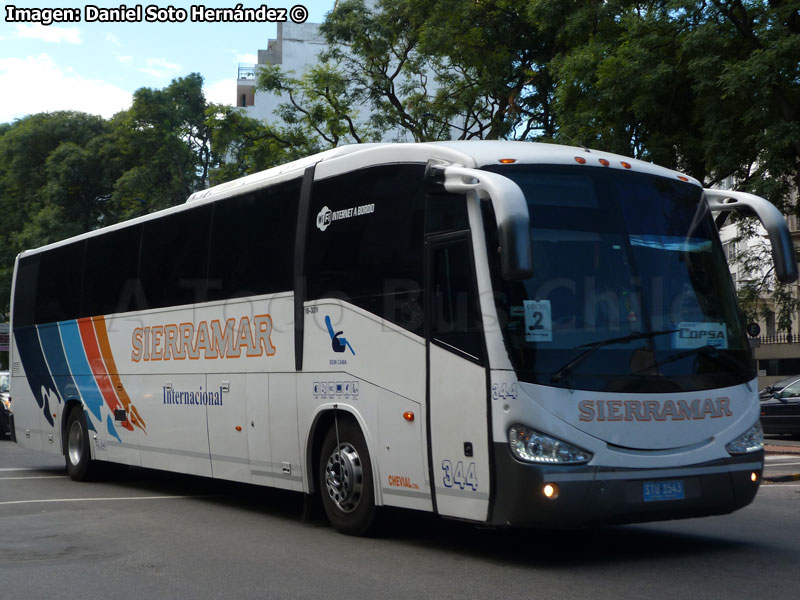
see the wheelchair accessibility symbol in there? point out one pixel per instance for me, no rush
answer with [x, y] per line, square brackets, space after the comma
[337, 343]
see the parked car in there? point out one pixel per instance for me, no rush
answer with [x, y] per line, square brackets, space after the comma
[6, 411]
[780, 407]
[767, 392]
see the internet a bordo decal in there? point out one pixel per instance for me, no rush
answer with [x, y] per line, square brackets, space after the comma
[73, 359]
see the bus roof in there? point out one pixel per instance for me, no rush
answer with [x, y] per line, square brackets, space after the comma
[468, 153]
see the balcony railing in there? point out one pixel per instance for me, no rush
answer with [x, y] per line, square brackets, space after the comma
[780, 338]
[247, 72]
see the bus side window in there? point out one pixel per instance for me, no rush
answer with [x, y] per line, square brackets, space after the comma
[365, 242]
[59, 283]
[446, 212]
[111, 273]
[25, 290]
[174, 256]
[252, 243]
[455, 317]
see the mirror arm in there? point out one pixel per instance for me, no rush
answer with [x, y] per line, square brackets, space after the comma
[510, 209]
[772, 220]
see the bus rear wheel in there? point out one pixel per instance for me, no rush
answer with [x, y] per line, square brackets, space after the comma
[77, 453]
[345, 480]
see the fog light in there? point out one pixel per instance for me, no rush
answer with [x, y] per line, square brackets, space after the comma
[753, 476]
[550, 491]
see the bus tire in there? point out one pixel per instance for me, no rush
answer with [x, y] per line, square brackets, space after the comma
[345, 480]
[78, 455]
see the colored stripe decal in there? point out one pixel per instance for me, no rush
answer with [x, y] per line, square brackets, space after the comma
[73, 359]
[111, 368]
[86, 328]
[50, 337]
[36, 371]
[79, 366]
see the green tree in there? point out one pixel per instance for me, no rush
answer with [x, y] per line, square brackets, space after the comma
[710, 88]
[163, 146]
[65, 173]
[36, 210]
[455, 68]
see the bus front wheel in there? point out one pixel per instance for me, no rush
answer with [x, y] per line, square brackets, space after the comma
[345, 480]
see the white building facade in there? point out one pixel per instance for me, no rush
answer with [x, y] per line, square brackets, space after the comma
[297, 47]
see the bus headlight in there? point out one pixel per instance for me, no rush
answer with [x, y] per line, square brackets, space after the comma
[751, 440]
[532, 446]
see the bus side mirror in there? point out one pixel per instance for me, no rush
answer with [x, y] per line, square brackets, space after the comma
[778, 232]
[510, 208]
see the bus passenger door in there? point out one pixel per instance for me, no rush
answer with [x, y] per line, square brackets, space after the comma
[457, 380]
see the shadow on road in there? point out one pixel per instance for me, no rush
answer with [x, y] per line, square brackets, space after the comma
[545, 548]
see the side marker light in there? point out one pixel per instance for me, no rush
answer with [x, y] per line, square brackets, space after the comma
[408, 416]
[580, 160]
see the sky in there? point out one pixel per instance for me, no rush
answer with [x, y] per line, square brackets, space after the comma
[95, 67]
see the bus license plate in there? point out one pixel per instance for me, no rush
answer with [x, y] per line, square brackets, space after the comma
[654, 491]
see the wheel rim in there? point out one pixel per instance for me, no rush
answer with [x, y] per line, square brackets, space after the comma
[344, 477]
[75, 443]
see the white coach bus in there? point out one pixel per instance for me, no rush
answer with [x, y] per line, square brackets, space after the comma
[508, 333]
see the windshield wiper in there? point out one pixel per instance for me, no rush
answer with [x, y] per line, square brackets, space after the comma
[566, 370]
[709, 351]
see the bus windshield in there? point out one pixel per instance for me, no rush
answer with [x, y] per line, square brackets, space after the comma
[630, 290]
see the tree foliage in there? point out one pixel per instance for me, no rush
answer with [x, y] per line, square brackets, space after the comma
[711, 88]
[65, 173]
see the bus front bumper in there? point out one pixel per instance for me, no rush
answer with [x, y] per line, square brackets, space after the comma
[583, 495]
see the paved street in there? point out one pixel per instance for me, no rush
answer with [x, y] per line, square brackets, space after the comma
[145, 533]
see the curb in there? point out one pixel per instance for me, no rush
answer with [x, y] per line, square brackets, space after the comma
[795, 450]
[781, 478]
[781, 451]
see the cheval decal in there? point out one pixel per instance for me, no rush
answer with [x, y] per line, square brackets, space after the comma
[206, 339]
[654, 410]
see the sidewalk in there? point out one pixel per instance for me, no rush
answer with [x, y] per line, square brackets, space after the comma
[781, 449]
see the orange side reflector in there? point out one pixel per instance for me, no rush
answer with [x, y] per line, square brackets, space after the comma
[580, 160]
[625, 164]
[604, 162]
[238, 428]
[408, 416]
[682, 178]
[508, 161]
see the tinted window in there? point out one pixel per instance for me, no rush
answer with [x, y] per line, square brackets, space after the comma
[59, 283]
[110, 279]
[252, 243]
[25, 290]
[174, 258]
[454, 312]
[365, 241]
[446, 212]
